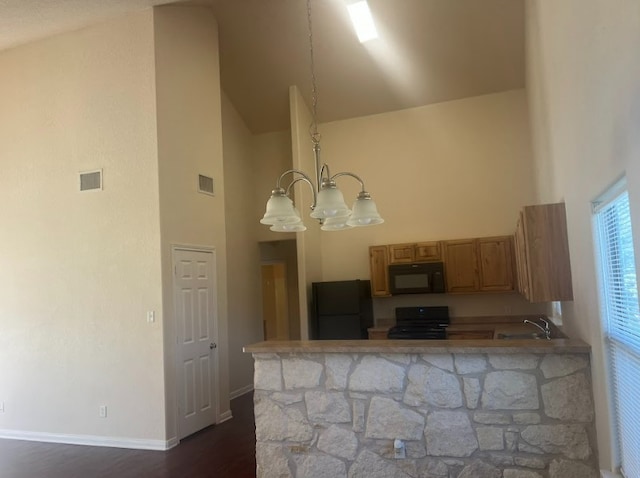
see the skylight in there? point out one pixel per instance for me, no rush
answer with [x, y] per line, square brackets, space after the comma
[362, 21]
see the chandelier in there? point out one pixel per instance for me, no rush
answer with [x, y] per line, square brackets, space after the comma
[328, 205]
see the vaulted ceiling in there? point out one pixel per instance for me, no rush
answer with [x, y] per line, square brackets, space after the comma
[429, 51]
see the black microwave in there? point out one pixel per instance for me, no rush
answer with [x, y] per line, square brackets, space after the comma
[417, 278]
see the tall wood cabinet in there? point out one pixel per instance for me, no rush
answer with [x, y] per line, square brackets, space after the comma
[378, 264]
[542, 253]
[479, 265]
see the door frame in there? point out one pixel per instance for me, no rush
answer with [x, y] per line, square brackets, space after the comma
[176, 362]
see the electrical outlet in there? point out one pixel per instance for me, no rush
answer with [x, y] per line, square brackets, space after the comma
[399, 450]
[151, 316]
[102, 411]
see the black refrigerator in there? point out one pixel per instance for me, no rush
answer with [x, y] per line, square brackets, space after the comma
[341, 310]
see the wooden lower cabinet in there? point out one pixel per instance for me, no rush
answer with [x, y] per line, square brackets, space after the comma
[378, 334]
[470, 334]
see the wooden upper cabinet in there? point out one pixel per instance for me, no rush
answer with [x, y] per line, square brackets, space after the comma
[544, 266]
[522, 268]
[414, 252]
[479, 265]
[475, 265]
[495, 263]
[378, 264]
[401, 253]
[461, 265]
[427, 252]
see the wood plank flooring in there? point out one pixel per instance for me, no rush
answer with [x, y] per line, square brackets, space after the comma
[222, 451]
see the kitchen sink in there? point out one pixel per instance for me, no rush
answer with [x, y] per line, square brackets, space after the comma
[526, 336]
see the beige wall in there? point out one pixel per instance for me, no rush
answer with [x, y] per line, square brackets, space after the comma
[452, 170]
[190, 143]
[80, 270]
[583, 72]
[271, 157]
[243, 254]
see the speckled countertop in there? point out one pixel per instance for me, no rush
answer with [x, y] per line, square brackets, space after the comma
[422, 346]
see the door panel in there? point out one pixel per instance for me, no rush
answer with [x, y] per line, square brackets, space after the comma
[275, 302]
[195, 305]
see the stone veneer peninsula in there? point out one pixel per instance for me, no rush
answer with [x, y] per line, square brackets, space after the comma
[464, 409]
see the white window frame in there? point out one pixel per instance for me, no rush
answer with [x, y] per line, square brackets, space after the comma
[620, 317]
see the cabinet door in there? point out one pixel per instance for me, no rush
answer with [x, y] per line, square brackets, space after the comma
[522, 269]
[401, 253]
[470, 334]
[378, 266]
[461, 265]
[547, 253]
[427, 251]
[495, 264]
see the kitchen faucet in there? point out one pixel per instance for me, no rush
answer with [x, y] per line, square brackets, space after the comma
[546, 329]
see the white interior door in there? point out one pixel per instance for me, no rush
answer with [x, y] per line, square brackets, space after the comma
[196, 322]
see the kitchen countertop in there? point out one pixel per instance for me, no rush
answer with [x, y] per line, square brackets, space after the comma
[471, 346]
[498, 325]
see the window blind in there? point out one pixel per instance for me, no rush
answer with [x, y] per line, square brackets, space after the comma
[621, 316]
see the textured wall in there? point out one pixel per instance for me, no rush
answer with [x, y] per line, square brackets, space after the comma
[584, 99]
[80, 270]
[190, 143]
[459, 415]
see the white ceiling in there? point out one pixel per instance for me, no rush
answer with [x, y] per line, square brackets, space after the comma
[429, 50]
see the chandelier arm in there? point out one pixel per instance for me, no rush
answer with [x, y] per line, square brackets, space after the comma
[304, 178]
[355, 176]
[292, 171]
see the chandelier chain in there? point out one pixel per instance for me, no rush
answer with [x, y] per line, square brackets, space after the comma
[313, 128]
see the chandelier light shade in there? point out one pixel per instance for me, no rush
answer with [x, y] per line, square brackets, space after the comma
[335, 224]
[328, 205]
[280, 210]
[364, 212]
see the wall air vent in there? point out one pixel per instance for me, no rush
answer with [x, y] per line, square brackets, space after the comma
[205, 185]
[91, 180]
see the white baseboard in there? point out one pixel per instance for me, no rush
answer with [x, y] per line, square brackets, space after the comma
[90, 440]
[225, 416]
[240, 392]
[609, 474]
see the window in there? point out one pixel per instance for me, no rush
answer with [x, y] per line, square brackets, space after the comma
[621, 319]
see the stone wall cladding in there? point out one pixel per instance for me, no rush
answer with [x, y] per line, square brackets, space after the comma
[459, 415]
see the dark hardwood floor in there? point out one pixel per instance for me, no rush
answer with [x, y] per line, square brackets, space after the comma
[222, 451]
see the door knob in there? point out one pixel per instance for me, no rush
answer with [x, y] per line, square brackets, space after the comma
[213, 345]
